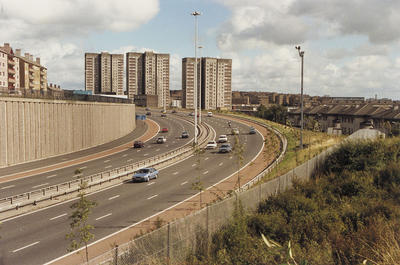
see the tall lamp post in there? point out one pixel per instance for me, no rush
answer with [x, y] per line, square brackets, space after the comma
[195, 14]
[301, 54]
[200, 47]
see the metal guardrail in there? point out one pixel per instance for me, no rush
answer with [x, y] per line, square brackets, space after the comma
[50, 192]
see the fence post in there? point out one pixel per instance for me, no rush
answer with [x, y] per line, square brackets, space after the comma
[169, 244]
[116, 255]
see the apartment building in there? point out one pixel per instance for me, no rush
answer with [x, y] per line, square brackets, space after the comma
[104, 73]
[215, 83]
[20, 72]
[148, 74]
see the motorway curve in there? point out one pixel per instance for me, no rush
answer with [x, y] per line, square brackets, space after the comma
[38, 237]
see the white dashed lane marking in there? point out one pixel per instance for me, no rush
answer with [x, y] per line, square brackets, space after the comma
[205, 172]
[52, 176]
[104, 216]
[113, 197]
[108, 166]
[175, 173]
[37, 186]
[152, 197]
[106, 161]
[25, 247]
[183, 183]
[8, 187]
[151, 183]
[58, 216]
[220, 164]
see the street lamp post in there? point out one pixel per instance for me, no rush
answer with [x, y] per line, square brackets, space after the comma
[195, 14]
[200, 47]
[301, 54]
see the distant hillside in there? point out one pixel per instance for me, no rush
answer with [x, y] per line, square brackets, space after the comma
[348, 214]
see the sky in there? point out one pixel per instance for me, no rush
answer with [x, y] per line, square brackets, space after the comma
[351, 46]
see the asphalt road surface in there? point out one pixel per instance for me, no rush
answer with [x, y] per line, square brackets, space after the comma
[39, 237]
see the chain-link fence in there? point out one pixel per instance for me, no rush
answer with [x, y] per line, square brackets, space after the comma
[172, 243]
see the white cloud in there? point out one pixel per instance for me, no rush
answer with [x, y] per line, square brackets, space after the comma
[351, 45]
[55, 30]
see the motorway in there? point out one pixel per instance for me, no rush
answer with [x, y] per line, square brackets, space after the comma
[99, 165]
[38, 237]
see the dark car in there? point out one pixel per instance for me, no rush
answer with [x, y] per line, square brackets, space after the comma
[185, 135]
[163, 114]
[173, 111]
[225, 148]
[148, 113]
[252, 130]
[138, 144]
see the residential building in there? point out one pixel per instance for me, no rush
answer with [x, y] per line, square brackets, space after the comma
[20, 72]
[148, 74]
[104, 73]
[214, 81]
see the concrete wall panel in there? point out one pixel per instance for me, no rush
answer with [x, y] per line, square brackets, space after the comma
[32, 129]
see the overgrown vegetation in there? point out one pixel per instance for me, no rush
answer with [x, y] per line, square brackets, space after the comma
[347, 214]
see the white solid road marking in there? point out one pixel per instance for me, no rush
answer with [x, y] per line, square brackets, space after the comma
[7, 187]
[125, 155]
[151, 183]
[113, 197]
[108, 166]
[183, 183]
[26, 246]
[104, 216]
[106, 161]
[176, 173]
[152, 197]
[220, 164]
[205, 172]
[58, 216]
[52, 176]
[37, 186]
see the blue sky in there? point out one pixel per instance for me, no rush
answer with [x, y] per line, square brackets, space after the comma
[351, 46]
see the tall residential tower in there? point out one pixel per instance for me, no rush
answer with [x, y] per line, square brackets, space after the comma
[104, 73]
[215, 82]
[148, 74]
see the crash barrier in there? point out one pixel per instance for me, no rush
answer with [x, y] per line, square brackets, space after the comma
[171, 243]
[54, 191]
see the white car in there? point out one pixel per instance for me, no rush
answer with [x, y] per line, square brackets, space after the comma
[211, 145]
[222, 139]
[161, 140]
[209, 114]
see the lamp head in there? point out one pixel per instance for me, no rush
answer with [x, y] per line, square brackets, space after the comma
[297, 47]
[195, 13]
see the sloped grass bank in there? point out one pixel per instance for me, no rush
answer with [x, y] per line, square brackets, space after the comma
[347, 214]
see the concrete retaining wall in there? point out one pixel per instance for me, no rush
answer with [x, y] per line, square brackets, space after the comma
[32, 129]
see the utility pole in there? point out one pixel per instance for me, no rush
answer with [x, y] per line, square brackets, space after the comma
[301, 54]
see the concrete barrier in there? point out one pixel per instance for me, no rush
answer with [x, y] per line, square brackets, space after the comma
[33, 129]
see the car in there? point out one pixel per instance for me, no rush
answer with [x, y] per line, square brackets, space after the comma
[138, 144]
[211, 145]
[209, 114]
[145, 174]
[185, 134]
[173, 111]
[161, 140]
[235, 131]
[252, 130]
[147, 109]
[164, 130]
[163, 114]
[148, 113]
[225, 148]
[222, 139]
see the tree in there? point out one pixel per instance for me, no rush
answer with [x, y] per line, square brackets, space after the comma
[198, 185]
[80, 229]
[238, 150]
